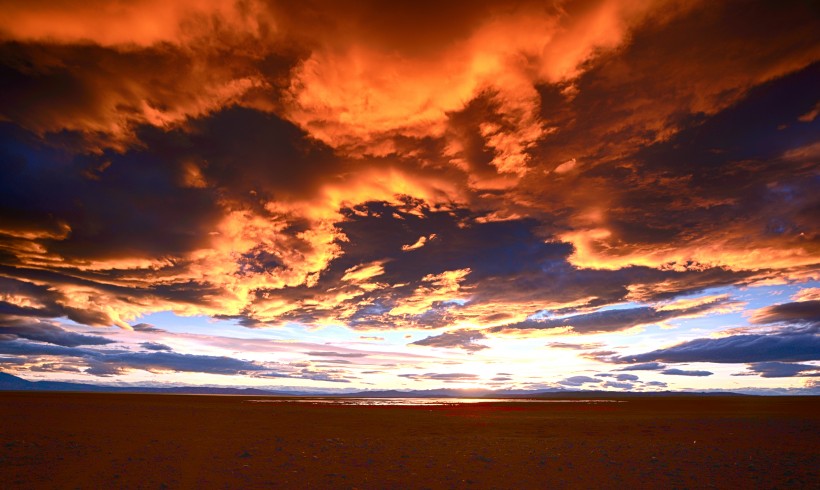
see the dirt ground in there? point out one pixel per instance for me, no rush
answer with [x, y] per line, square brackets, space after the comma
[69, 440]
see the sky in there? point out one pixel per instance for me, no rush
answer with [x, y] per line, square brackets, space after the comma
[325, 195]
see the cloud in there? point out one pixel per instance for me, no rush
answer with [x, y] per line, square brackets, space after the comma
[617, 319]
[579, 381]
[210, 246]
[683, 372]
[735, 349]
[618, 385]
[441, 376]
[51, 367]
[43, 331]
[156, 346]
[147, 62]
[145, 327]
[619, 377]
[218, 270]
[512, 169]
[800, 312]
[331, 375]
[371, 337]
[646, 366]
[335, 354]
[619, 227]
[783, 369]
[419, 243]
[565, 345]
[362, 89]
[110, 362]
[108, 92]
[807, 294]
[363, 272]
[144, 22]
[461, 339]
[181, 362]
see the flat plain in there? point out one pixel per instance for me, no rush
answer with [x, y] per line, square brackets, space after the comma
[82, 440]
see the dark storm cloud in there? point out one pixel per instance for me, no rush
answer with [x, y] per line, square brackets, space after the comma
[659, 155]
[103, 369]
[799, 313]
[11, 361]
[154, 346]
[716, 66]
[736, 349]
[42, 300]
[276, 158]
[613, 320]
[646, 366]
[579, 381]
[326, 163]
[17, 347]
[166, 214]
[782, 369]
[333, 376]
[461, 339]
[122, 214]
[683, 372]
[377, 235]
[145, 327]
[55, 368]
[181, 362]
[42, 331]
[101, 93]
[54, 301]
[509, 263]
[115, 361]
[682, 181]
[489, 249]
[618, 385]
[163, 199]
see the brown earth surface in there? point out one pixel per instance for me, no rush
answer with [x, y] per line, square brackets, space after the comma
[71, 440]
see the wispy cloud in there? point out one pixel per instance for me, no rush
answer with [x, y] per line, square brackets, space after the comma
[461, 339]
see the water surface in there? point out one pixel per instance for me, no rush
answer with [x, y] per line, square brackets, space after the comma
[417, 401]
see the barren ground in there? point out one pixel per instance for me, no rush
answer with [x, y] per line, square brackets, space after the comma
[70, 440]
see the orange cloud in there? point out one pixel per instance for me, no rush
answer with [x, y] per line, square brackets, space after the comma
[140, 22]
[363, 272]
[351, 93]
[440, 287]
[807, 294]
[419, 243]
[547, 104]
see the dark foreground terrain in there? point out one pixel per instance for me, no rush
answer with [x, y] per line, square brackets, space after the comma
[68, 440]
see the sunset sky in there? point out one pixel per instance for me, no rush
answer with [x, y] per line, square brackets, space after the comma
[328, 195]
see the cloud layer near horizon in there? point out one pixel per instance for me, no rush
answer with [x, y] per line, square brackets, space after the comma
[515, 169]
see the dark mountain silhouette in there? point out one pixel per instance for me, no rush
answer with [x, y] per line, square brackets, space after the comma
[10, 382]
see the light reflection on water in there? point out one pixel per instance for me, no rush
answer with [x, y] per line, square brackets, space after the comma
[417, 401]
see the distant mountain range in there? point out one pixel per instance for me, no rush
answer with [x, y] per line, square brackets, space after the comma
[10, 382]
